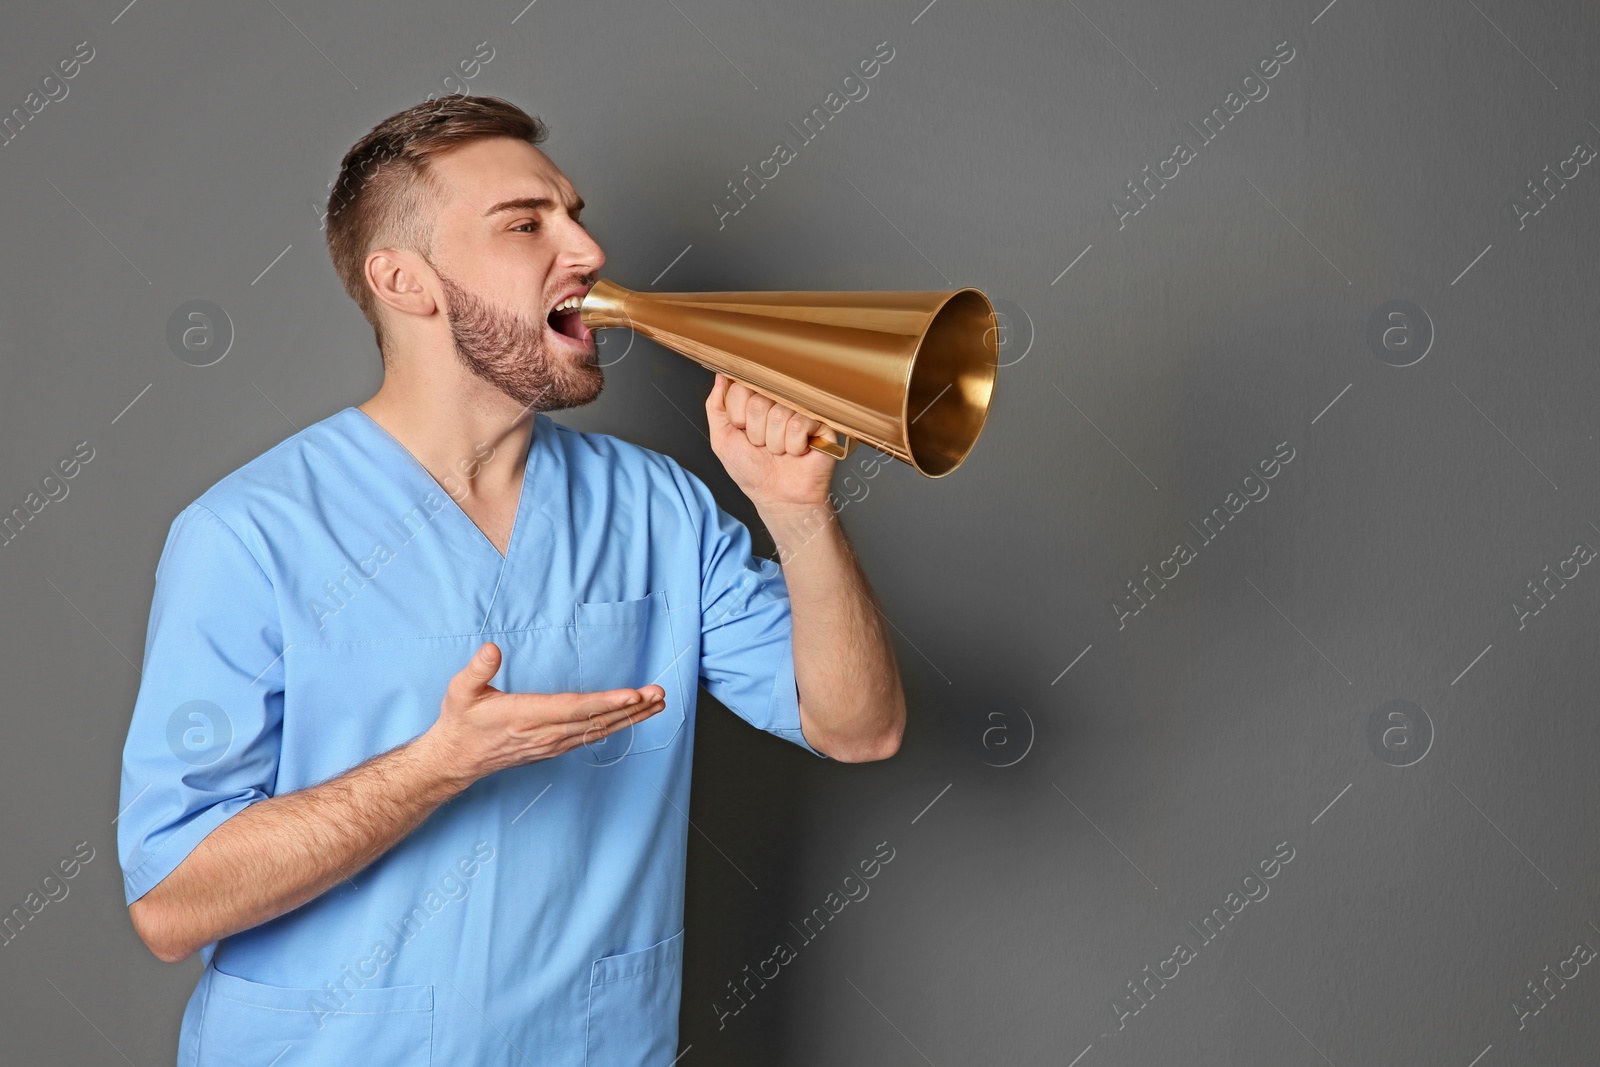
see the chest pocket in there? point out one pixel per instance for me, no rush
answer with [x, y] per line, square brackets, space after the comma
[629, 644]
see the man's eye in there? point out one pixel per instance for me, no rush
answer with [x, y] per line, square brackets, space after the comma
[527, 226]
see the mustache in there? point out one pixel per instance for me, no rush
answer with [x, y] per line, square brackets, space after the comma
[587, 281]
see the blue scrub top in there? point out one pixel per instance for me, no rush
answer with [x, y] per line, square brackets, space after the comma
[310, 610]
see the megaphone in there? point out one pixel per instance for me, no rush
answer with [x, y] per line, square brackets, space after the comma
[910, 373]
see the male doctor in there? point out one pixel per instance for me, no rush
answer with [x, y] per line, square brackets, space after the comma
[409, 763]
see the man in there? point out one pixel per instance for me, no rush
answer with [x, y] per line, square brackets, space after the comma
[409, 764]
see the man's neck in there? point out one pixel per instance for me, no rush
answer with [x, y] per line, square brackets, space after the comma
[470, 436]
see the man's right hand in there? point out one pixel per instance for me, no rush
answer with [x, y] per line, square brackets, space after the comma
[481, 729]
[260, 862]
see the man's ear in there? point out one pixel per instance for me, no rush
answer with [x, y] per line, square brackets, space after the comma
[401, 280]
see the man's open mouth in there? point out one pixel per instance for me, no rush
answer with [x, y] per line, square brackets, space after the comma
[565, 320]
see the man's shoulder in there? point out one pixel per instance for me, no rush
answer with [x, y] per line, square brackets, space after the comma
[275, 481]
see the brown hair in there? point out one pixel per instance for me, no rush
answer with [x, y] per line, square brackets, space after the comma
[386, 196]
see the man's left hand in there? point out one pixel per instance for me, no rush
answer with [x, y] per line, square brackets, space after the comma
[764, 446]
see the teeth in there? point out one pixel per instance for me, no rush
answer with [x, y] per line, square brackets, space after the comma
[571, 303]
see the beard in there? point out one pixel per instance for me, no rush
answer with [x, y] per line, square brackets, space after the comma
[509, 351]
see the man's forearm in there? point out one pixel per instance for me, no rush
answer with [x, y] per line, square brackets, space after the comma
[852, 702]
[278, 853]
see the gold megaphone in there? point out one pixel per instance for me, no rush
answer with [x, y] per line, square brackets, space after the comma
[910, 373]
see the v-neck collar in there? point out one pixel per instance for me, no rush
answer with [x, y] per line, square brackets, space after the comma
[415, 465]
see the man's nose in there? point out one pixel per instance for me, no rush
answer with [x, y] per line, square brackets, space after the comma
[583, 253]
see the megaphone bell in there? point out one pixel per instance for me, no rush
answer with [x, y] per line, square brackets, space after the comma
[910, 373]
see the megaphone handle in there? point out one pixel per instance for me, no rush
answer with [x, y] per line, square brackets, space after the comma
[827, 447]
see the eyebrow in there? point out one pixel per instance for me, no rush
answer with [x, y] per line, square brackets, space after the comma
[530, 203]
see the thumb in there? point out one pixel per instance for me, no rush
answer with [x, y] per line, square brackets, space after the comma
[716, 406]
[474, 677]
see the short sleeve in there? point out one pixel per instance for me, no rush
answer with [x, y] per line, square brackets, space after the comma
[746, 652]
[203, 743]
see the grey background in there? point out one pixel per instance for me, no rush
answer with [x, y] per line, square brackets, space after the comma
[1142, 385]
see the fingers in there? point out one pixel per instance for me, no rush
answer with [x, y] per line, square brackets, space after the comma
[588, 706]
[616, 713]
[736, 399]
[795, 436]
[785, 431]
[598, 728]
[486, 730]
[767, 424]
[747, 409]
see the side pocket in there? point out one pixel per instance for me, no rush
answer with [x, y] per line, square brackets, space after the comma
[633, 1006]
[248, 1024]
[628, 644]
